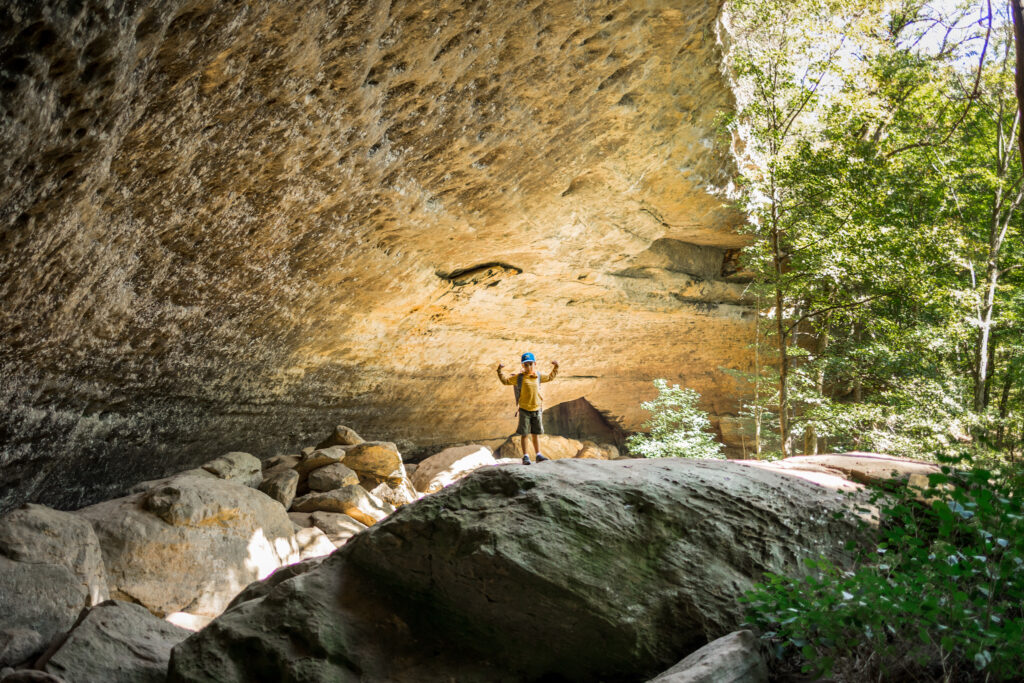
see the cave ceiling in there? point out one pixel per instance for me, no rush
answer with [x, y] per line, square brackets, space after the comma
[232, 225]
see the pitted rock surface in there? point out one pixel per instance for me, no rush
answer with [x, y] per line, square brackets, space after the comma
[225, 225]
[620, 568]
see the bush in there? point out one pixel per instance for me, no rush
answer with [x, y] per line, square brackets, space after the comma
[941, 597]
[677, 428]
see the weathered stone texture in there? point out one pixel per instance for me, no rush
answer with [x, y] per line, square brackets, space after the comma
[225, 225]
[116, 642]
[576, 570]
[191, 544]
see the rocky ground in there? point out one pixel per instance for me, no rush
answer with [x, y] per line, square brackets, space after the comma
[342, 562]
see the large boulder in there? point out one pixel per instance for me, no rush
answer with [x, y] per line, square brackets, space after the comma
[450, 465]
[38, 602]
[354, 501]
[38, 535]
[553, 447]
[619, 568]
[116, 642]
[735, 658]
[190, 544]
[50, 568]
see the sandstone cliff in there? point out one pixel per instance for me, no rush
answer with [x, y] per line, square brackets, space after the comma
[224, 223]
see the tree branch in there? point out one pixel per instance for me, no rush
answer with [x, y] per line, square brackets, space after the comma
[970, 99]
[852, 304]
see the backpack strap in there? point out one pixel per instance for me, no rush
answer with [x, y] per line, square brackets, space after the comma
[518, 389]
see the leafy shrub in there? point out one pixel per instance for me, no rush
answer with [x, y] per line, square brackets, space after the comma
[941, 596]
[677, 428]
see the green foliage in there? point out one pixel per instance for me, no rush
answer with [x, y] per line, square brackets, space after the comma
[939, 597]
[885, 202]
[677, 428]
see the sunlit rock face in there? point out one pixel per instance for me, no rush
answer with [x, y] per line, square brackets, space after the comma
[230, 225]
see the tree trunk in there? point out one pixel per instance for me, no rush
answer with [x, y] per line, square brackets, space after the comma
[1018, 43]
[1004, 403]
[985, 319]
[819, 383]
[757, 380]
[780, 329]
[858, 390]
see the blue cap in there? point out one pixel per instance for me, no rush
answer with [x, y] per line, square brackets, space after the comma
[528, 358]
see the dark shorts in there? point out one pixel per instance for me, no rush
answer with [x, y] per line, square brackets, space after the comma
[530, 422]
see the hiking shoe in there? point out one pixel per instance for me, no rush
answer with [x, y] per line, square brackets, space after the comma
[526, 460]
[541, 458]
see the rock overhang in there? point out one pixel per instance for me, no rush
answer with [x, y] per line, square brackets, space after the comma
[232, 225]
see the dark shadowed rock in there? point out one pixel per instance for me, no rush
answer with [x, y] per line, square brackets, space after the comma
[116, 642]
[303, 520]
[281, 486]
[258, 589]
[279, 463]
[577, 570]
[51, 568]
[19, 644]
[38, 602]
[31, 676]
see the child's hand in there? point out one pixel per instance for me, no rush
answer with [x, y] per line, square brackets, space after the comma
[501, 365]
[555, 363]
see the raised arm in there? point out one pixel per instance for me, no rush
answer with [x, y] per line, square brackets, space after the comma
[511, 379]
[551, 375]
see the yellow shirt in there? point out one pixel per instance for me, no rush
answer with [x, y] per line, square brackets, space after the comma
[529, 396]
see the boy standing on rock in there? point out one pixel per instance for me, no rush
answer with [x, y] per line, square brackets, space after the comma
[529, 401]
